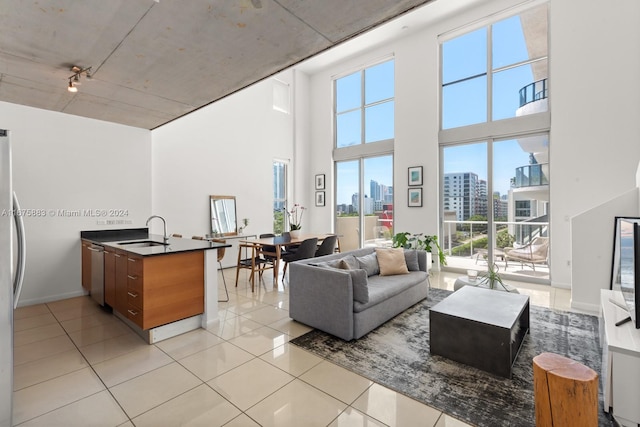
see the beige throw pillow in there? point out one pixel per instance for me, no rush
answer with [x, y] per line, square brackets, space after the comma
[391, 261]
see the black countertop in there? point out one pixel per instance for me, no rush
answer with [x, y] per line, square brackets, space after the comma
[130, 240]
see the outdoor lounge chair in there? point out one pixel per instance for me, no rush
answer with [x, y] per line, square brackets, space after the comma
[535, 252]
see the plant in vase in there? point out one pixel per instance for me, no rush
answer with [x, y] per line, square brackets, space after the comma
[492, 278]
[245, 223]
[295, 219]
[419, 241]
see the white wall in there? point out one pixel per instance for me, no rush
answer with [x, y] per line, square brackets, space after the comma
[72, 163]
[592, 243]
[595, 133]
[226, 148]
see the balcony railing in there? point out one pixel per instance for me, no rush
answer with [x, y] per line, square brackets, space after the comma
[533, 92]
[465, 238]
[532, 175]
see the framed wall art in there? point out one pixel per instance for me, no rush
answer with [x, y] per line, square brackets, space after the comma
[415, 198]
[319, 198]
[415, 175]
[320, 181]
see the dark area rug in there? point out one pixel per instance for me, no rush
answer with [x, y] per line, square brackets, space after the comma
[396, 355]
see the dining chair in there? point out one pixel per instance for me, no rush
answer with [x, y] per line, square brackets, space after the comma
[254, 262]
[267, 253]
[306, 250]
[328, 245]
[221, 252]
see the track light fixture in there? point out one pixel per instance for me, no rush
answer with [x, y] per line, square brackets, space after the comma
[74, 79]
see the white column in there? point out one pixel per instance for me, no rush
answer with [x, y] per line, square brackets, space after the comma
[210, 315]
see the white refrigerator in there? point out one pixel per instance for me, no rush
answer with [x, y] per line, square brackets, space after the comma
[12, 263]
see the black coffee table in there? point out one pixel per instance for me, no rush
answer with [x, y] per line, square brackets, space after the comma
[480, 327]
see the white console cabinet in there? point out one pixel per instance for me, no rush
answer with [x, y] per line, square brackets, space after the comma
[620, 361]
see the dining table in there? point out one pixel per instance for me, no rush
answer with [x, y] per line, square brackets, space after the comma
[276, 246]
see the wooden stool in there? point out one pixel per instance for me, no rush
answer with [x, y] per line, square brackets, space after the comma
[566, 392]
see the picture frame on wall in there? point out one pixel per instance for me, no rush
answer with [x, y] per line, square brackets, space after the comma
[414, 199]
[320, 198]
[320, 181]
[415, 175]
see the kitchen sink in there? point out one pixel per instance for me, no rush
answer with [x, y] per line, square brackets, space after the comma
[142, 244]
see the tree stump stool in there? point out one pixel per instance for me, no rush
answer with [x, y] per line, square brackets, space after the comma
[566, 392]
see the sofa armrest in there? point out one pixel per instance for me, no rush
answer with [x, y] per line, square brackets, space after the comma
[422, 260]
[322, 298]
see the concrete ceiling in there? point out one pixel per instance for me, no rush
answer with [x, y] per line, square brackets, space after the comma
[155, 60]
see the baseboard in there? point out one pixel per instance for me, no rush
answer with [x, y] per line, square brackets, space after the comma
[582, 306]
[33, 301]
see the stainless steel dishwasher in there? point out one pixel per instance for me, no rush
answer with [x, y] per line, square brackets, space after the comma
[97, 273]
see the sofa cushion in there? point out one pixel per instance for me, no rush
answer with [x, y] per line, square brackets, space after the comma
[347, 262]
[411, 258]
[369, 263]
[360, 285]
[381, 288]
[391, 261]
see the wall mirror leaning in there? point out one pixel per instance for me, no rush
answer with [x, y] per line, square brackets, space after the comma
[223, 216]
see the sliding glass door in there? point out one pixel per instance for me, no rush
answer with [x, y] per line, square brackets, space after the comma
[496, 200]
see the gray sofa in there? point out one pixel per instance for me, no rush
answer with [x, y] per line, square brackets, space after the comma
[351, 303]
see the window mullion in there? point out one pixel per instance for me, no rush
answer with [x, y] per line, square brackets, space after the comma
[362, 105]
[490, 74]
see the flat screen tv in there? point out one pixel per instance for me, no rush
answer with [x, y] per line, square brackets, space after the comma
[625, 272]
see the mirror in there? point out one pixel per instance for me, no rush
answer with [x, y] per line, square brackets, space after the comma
[223, 216]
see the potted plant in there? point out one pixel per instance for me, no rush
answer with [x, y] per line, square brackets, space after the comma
[492, 278]
[419, 241]
[245, 223]
[295, 219]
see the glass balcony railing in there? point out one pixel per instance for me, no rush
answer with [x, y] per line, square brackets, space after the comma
[466, 245]
[533, 92]
[531, 175]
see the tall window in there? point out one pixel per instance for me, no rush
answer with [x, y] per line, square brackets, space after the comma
[495, 181]
[493, 72]
[364, 107]
[279, 195]
[364, 114]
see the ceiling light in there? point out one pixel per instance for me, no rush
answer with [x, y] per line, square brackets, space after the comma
[74, 79]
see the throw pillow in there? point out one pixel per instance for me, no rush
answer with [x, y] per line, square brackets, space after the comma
[411, 258]
[369, 263]
[360, 285]
[346, 263]
[391, 261]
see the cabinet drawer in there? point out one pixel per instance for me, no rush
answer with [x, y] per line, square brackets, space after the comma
[134, 298]
[135, 283]
[134, 266]
[135, 315]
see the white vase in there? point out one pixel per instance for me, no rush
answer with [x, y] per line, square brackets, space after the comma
[295, 233]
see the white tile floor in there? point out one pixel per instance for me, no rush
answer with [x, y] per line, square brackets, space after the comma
[76, 365]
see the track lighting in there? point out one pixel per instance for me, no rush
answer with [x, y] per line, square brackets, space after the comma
[74, 79]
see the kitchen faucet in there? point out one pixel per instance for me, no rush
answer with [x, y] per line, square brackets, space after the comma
[166, 239]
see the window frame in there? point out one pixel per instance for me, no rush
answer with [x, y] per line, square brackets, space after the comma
[363, 105]
[491, 128]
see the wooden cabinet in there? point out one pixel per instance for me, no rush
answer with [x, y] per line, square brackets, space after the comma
[163, 289]
[109, 277]
[86, 266]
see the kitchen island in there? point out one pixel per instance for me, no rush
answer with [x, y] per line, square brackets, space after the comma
[160, 289]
